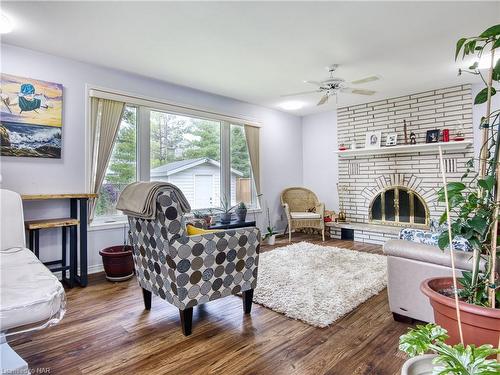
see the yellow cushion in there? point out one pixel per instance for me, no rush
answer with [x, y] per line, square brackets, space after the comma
[193, 231]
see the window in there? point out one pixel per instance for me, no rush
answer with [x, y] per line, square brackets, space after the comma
[206, 158]
[186, 152]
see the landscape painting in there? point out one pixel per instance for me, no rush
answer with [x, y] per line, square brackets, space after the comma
[30, 117]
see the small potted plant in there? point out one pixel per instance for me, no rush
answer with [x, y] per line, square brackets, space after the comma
[271, 233]
[225, 209]
[425, 345]
[241, 211]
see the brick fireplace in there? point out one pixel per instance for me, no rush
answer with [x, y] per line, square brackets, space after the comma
[409, 180]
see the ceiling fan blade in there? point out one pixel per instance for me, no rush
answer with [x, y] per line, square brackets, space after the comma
[323, 100]
[314, 83]
[366, 80]
[358, 91]
[300, 93]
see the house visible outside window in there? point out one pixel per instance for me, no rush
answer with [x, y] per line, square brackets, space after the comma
[207, 159]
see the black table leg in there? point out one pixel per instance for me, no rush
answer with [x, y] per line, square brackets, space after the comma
[63, 258]
[83, 242]
[37, 243]
[73, 251]
[31, 240]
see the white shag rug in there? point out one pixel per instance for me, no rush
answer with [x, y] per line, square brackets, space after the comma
[318, 284]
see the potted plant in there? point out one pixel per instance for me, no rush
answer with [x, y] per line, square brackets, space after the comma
[271, 233]
[444, 359]
[241, 211]
[472, 210]
[117, 261]
[225, 209]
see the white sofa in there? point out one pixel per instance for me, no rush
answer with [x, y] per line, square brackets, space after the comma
[410, 263]
[32, 298]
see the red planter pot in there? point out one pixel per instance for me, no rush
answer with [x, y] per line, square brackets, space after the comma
[118, 262]
[480, 325]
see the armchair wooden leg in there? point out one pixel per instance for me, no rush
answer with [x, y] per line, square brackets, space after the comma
[186, 320]
[146, 295]
[289, 236]
[323, 234]
[247, 300]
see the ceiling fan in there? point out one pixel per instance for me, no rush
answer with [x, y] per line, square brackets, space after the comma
[333, 85]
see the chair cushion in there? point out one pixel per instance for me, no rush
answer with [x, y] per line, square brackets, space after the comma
[29, 292]
[305, 215]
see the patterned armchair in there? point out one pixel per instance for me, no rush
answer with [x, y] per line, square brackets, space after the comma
[303, 210]
[187, 271]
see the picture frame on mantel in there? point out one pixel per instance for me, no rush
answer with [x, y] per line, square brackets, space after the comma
[391, 139]
[373, 139]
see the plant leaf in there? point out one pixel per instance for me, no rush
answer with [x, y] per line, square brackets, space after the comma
[482, 96]
[488, 183]
[496, 44]
[443, 240]
[460, 44]
[491, 31]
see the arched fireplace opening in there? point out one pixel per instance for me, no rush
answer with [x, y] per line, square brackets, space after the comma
[398, 205]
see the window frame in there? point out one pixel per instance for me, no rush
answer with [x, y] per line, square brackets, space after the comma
[143, 132]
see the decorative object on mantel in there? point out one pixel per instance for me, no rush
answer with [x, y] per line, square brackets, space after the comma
[446, 135]
[343, 279]
[432, 136]
[31, 113]
[413, 138]
[373, 139]
[353, 145]
[342, 147]
[392, 139]
[405, 130]
[460, 134]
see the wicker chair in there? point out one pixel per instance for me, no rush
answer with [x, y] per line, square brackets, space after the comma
[303, 210]
[188, 271]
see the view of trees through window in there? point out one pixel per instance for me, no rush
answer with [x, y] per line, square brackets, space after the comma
[185, 151]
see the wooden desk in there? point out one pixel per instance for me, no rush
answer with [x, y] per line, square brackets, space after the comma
[81, 214]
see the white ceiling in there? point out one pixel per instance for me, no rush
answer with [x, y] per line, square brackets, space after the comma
[256, 51]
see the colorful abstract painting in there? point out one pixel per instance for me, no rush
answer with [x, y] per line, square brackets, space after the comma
[30, 117]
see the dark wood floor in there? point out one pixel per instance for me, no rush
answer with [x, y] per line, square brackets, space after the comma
[107, 331]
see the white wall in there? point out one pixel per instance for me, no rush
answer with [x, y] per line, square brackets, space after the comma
[320, 163]
[281, 139]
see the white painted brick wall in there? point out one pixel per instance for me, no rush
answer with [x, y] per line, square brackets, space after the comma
[449, 108]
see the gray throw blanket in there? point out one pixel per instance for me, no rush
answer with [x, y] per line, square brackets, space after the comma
[139, 198]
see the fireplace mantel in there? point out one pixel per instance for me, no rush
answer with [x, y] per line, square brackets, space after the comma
[406, 149]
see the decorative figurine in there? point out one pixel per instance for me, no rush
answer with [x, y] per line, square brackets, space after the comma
[413, 138]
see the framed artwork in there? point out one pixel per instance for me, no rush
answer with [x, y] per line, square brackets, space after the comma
[392, 139]
[30, 117]
[432, 136]
[373, 139]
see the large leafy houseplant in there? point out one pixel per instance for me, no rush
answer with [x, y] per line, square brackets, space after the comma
[474, 201]
[449, 360]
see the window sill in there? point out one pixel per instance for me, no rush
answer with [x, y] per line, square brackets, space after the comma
[119, 223]
[107, 224]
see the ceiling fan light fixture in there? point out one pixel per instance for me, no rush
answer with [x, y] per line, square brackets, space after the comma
[291, 105]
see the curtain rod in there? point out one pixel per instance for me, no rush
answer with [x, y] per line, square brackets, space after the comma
[182, 108]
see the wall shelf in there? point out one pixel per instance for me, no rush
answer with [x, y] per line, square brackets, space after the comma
[406, 149]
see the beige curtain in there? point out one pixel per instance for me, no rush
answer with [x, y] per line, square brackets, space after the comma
[253, 142]
[104, 124]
